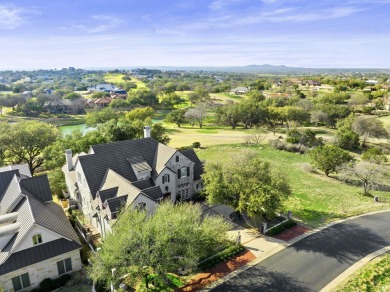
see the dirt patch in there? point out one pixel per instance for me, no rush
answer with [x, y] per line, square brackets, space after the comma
[203, 279]
[292, 232]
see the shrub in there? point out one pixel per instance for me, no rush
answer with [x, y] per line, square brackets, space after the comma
[48, 284]
[196, 145]
[284, 226]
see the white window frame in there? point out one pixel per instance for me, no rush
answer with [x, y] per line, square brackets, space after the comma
[37, 239]
[63, 265]
[19, 278]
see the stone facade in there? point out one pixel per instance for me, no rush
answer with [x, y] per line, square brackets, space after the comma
[41, 270]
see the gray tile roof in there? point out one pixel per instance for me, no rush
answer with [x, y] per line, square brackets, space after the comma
[114, 156]
[153, 193]
[5, 179]
[198, 167]
[24, 170]
[144, 184]
[116, 204]
[37, 254]
[139, 164]
[107, 194]
[31, 199]
[11, 195]
[39, 185]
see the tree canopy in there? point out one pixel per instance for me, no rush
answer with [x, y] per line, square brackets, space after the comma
[24, 142]
[369, 127]
[246, 183]
[329, 158]
[174, 237]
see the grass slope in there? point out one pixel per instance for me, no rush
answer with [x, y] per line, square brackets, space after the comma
[375, 276]
[316, 199]
[117, 78]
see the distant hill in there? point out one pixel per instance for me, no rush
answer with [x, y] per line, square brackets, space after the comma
[265, 68]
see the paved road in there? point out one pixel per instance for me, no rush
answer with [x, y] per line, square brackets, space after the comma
[313, 262]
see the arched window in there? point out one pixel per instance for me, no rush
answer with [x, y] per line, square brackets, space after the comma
[37, 239]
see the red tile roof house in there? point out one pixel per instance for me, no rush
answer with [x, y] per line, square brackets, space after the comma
[118, 94]
[36, 239]
[138, 173]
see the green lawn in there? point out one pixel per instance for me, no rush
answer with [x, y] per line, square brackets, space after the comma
[117, 78]
[316, 199]
[375, 276]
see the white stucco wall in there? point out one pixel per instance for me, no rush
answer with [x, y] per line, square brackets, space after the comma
[150, 204]
[182, 182]
[84, 190]
[47, 236]
[171, 184]
[41, 270]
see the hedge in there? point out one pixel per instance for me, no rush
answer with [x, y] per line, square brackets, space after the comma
[283, 226]
[222, 256]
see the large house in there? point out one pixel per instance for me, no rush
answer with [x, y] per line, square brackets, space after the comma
[138, 173]
[239, 90]
[36, 239]
[105, 87]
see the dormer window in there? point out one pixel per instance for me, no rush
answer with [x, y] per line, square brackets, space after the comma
[37, 239]
[165, 178]
[177, 158]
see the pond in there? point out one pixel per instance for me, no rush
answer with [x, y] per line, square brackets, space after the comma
[65, 130]
[71, 128]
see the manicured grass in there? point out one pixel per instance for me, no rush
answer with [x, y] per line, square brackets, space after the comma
[375, 276]
[316, 199]
[117, 78]
[207, 131]
[186, 135]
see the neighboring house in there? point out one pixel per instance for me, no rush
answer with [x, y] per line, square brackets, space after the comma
[118, 94]
[99, 102]
[64, 106]
[138, 173]
[36, 239]
[239, 90]
[48, 91]
[371, 82]
[277, 95]
[27, 93]
[311, 83]
[102, 88]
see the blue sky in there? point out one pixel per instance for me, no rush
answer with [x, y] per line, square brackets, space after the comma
[118, 33]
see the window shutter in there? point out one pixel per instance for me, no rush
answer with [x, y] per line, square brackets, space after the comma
[167, 177]
[188, 171]
[179, 173]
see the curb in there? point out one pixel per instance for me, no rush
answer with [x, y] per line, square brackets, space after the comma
[356, 266]
[298, 238]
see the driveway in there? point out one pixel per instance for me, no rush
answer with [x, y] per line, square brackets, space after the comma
[313, 262]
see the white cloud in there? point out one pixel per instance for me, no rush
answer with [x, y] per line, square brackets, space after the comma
[12, 17]
[219, 4]
[100, 23]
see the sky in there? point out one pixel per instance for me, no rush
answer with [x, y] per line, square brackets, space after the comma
[52, 34]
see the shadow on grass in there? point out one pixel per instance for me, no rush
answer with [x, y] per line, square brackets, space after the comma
[315, 218]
